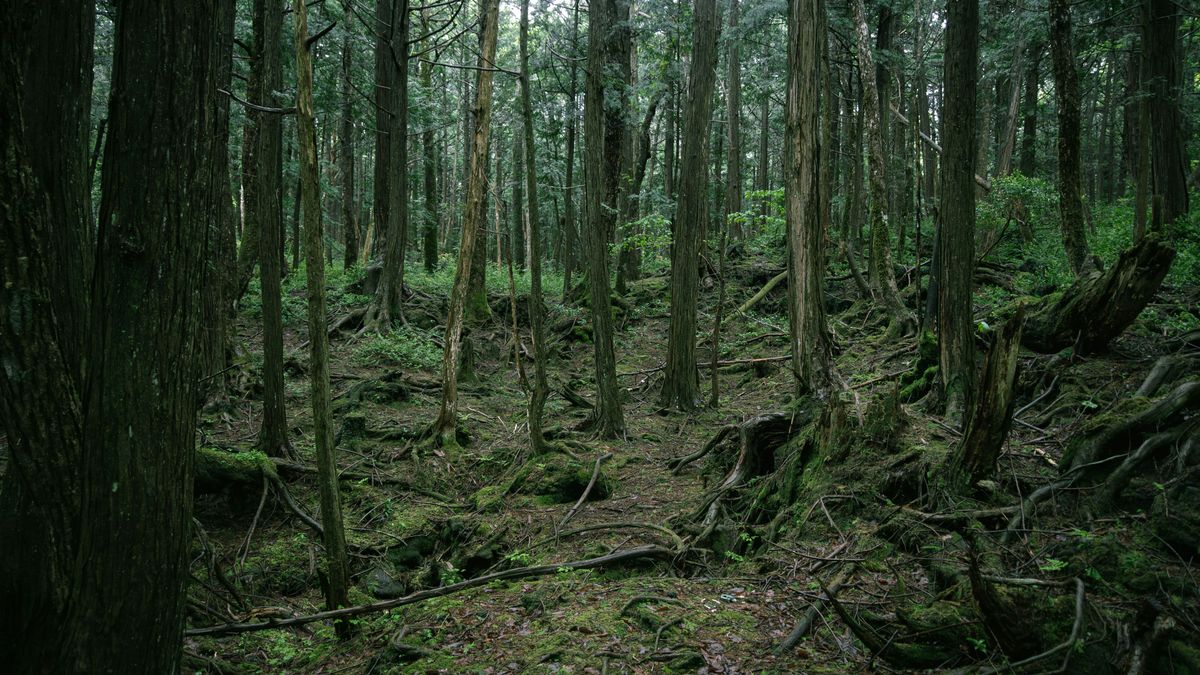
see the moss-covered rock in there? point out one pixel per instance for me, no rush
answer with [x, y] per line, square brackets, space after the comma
[488, 499]
[557, 479]
[220, 470]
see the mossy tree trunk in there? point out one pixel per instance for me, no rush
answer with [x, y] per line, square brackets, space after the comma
[429, 161]
[346, 151]
[882, 276]
[336, 591]
[569, 227]
[445, 428]
[1164, 78]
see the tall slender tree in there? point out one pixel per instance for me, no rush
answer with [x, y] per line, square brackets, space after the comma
[680, 381]
[445, 428]
[956, 239]
[346, 149]
[537, 399]
[607, 417]
[430, 159]
[333, 533]
[883, 278]
[267, 214]
[1070, 178]
[811, 343]
[1164, 80]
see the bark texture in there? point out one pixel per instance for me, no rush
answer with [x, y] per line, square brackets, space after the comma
[1070, 176]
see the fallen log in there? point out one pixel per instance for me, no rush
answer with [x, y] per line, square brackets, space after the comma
[1096, 308]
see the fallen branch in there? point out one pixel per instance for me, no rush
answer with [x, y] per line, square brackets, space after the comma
[586, 491]
[626, 555]
[762, 293]
[814, 611]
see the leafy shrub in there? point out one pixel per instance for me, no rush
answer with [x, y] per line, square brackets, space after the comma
[407, 347]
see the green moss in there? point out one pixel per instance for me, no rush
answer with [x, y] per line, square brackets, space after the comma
[217, 469]
[557, 479]
[489, 499]
[280, 567]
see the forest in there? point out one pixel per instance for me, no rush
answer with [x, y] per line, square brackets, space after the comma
[614, 336]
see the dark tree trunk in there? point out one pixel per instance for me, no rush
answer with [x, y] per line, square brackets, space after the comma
[733, 115]
[518, 202]
[384, 70]
[680, 388]
[1164, 80]
[267, 214]
[430, 160]
[1032, 79]
[569, 226]
[346, 152]
[956, 240]
[601, 204]
[388, 304]
[1070, 176]
[100, 409]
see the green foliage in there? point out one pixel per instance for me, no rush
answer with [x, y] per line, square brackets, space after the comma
[407, 346]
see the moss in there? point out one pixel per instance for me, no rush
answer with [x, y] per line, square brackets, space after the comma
[217, 469]
[948, 624]
[489, 499]
[1179, 658]
[280, 567]
[557, 479]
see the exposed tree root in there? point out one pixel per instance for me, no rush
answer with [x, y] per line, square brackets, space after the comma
[649, 551]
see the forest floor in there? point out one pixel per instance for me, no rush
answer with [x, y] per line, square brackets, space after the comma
[419, 518]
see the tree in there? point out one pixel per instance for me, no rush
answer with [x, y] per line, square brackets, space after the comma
[444, 430]
[267, 215]
[346, 150]
[387, 305]
[733, 107]
[1160, 39]
[956, 229]
[537, 400]
[1070, 179]
[607, 417]
[883, 278]
[811, 343]
[680, 377]
[430, 159]
[99, 399]
[333, 534]
[568, 225]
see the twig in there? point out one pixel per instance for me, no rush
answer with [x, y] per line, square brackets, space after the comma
[586, 491]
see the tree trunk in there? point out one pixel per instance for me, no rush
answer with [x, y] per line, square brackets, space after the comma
[334, 535]
[1032, 80]
[1070, 179]
[630, 260]
[444, 429]
[990, 417]
[537, 400]
[812, 345]
[883, 279]
[607, 416]
[517, 249]
[384, 71]
[569, 227]
[680, 377]
[247, 255]
[733, 114]
[267, 214]
[99, 403]
[346, 152]
[956, 240]
[430, 160]
[1164, 79]
[387, 306]
[1008, 143]
[1096, 308]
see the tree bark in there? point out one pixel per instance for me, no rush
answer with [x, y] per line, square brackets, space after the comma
[267, 214]
[1164, 79]
[537, 399]
[1070, 179]
[98, 400]
[956, 239]
[444, 429]
[384, 71]
[346, 151]
[388, 305]
[883, 279]
[570, 229]
[733, 114]
[430, 161]
[680, 383]
[1032, 80]
[812, 345]
[333, 534]
[990, 417]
